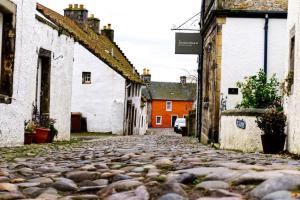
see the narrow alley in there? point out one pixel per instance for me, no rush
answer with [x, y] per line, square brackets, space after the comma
[161, 165]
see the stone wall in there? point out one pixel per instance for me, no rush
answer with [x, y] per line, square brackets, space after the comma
[234, 138]
[211, 81]
[270, 5]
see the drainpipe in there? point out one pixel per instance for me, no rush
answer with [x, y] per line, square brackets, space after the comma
[200, 92]
[200, 79]
[266, 44]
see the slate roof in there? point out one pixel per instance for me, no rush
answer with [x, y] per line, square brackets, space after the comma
[170, 91]
[97, 44]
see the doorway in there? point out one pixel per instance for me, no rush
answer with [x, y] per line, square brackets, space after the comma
[174, 117]
[43, 82]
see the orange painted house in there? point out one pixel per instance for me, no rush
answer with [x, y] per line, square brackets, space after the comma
[162, 117]
[168, 101]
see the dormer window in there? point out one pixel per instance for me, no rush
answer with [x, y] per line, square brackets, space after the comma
[7, 49]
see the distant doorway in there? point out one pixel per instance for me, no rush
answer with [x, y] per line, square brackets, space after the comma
[174, 117]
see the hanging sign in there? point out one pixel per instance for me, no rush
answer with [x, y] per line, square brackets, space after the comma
[187, 43]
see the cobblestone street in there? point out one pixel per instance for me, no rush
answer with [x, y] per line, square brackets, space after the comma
[161, 165]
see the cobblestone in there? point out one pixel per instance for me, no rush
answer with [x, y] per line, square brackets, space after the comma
[162, 165]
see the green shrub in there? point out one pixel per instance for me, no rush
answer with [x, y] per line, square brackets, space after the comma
[272, 122]
[258, 92]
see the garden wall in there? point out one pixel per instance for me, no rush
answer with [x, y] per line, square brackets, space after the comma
[239, 131]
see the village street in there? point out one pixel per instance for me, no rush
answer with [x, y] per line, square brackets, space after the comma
[148, 167]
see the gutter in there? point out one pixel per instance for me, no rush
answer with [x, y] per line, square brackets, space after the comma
[266, 42]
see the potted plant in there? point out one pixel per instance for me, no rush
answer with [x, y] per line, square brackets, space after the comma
[45, 131]
[29, 133]
[272, 123]
[42, 130]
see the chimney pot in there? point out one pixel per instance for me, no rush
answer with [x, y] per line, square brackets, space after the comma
[148, 72]
[145, 71]
[183, 80]
[92, 16]
[81, 6]
[76, 6]
[104, 27]
[70, 6]
[109, 26]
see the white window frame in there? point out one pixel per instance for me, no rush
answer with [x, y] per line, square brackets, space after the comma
[160, 120]
[84, 78]
[171, 104]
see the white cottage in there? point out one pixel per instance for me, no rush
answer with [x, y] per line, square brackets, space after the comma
[293, 76]
[36, 69]
[106, 86]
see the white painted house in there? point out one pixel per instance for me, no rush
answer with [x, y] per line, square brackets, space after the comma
[293, 69]
[36, 69]
[243, 51]
[106, 86]
[239, 38]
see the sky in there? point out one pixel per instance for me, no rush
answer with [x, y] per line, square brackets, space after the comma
[143, 31]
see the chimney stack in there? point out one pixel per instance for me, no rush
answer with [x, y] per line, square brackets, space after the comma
[94, 23]
[183, 80]
[144, 71]
[77, 13]
[108, 32]
[146, 76]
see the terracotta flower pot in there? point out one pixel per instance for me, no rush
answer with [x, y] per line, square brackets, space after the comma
[28, 138]
[41, 135]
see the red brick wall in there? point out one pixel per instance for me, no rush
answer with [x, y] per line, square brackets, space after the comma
[179, 108]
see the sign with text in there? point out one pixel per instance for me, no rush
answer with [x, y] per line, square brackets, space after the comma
[187, 43]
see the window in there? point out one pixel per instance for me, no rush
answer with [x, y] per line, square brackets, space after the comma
[133, 90]
[169, 106]
[142, 121]
[139, 90]
[135, 118]
[129, 90]
[159, 120]
[7, 49]
[86, 77]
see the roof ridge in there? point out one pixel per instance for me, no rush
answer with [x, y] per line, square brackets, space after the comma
[97, 44]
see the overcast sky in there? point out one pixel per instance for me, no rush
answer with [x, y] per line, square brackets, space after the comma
[143, 31]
